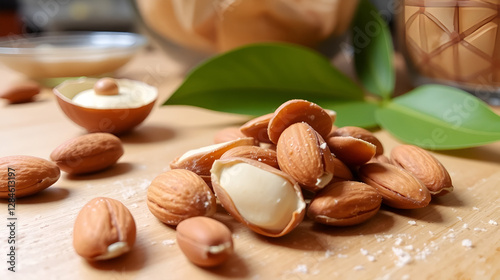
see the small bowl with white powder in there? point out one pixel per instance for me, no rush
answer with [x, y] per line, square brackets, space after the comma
[106, 105]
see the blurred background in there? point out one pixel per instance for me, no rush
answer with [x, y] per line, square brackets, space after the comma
[32, 16]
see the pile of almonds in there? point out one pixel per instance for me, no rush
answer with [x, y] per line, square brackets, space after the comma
[277, 168]
[268, 174]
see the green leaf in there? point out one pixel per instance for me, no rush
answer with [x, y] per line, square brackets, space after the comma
[373, 51]
[353, 113]
[256, 79]
[440, 117]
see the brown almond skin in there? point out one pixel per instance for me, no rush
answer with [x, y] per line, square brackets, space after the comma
[424, 166]
[304, 155]
[351, 151]
[360, 133]
[296, 111]
[20, 92]
[178, 194]
[267, 156]
[101, 222]
[342, 171]
[88, 153]
[344, 203]
[198, 235]
[29, 175]
[399, 188]
[257, 128]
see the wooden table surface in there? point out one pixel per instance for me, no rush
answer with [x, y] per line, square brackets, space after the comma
[428, 243]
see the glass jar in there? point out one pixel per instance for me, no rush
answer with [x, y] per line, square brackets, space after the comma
[454, 42]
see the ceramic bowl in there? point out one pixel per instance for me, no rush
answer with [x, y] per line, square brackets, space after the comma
[111, 120]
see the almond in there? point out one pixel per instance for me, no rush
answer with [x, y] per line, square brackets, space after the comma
[267, 156]
[88, 153]
[20, 92]
[351, 151]
[342, 171]
[296, 111]
[344, 203]
[360, 133]
[200, 160]
[204, 241]
[178, 194]
[265, 199]
[304, 155]
[398, 187]
[424, 166]
[257, 128]
[103, 229]
[26, 175]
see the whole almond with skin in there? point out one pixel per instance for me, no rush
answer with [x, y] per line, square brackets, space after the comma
[178, 194]
[20, 92]
[257, 153]
[204, 241]
[103, 229]
[304, 155]
[360, 133]
[351, 151]
[265, 199]
[26, 175]
[424, 166]
[296, 111]
[88, 153]
[398, 187]
[200, 160]
[257, 128]
[344, 203]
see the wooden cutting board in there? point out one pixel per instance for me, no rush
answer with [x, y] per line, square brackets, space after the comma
[456, 237]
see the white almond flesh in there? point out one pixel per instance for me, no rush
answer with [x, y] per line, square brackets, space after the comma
[251, 188]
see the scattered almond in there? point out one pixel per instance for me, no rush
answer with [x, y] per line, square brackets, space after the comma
[351, 151]
[20, 92]
[103, 229]
[204, 241]
[88, 153]
[26, 175]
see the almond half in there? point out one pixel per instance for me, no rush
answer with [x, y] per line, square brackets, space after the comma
[200, 160]
[265, 199]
